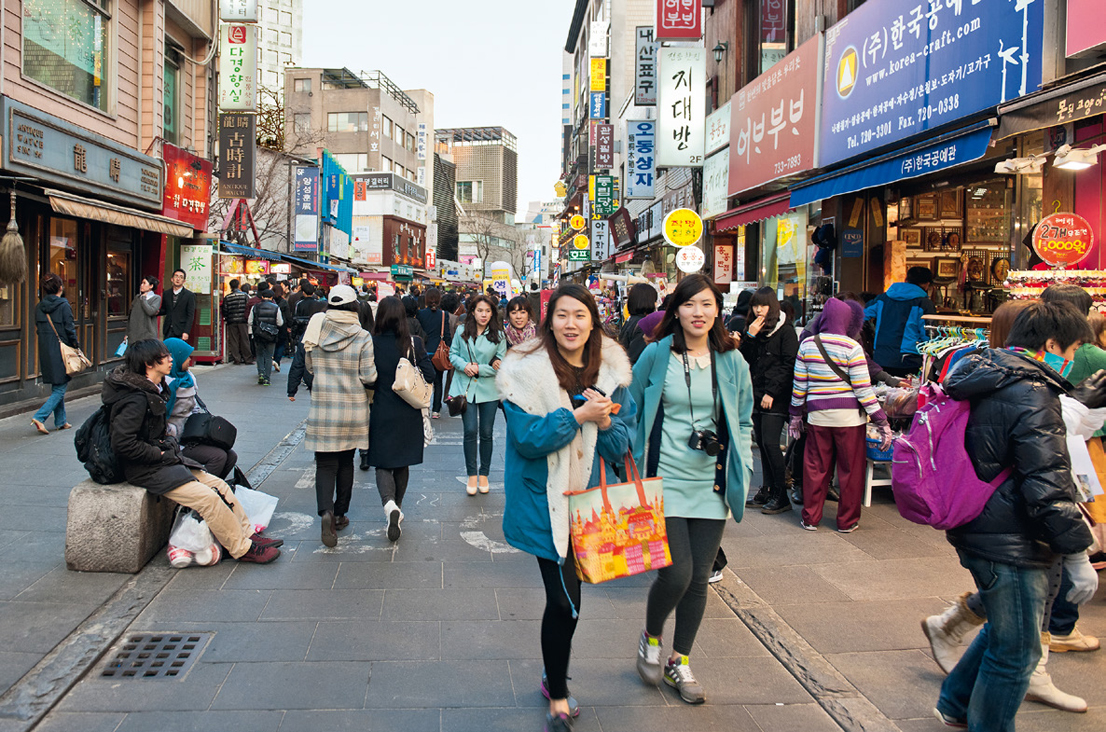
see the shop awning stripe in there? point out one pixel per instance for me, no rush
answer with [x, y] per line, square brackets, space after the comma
[250, 252]
[763, 208]
[85, 208]
[1069, 102]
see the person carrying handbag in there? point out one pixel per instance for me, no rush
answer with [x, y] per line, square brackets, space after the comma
[54, 325]
[395, 427]
[435, 322]
[476, 353]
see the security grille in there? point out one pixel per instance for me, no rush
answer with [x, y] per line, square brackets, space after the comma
[155, 655]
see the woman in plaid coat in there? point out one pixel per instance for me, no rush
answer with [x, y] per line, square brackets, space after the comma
[339, 354]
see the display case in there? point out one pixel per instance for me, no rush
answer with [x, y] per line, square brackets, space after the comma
[987, 214]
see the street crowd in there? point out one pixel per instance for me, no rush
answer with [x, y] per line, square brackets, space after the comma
[681, 389]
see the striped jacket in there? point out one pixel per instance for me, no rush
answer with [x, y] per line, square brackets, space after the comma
[816, 387]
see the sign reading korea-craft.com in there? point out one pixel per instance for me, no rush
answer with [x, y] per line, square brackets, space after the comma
[773, 121]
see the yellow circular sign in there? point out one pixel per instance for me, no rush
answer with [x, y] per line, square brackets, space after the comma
[580, 241]
[847, 69]
[682, 227]
[577, 222]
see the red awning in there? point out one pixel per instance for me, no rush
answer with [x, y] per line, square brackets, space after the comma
[764, 208]
[624, 257]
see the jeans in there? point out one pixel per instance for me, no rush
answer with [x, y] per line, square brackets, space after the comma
[265, 359]
[334, 475]
[682, 586]
[281, 346]
[988, 684]
[484, 414]
[54, 403]
[768, 428]
[558, 622]
[1064, 614]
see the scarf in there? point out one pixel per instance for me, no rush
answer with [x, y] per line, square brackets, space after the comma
[314, 329]
[516, 336]
[180, 351]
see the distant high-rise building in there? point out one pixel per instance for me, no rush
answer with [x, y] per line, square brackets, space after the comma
[487, 169]
[281, 40]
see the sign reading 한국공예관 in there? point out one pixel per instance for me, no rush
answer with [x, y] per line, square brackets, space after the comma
[641, 162]
[894, 69]
[681, 79]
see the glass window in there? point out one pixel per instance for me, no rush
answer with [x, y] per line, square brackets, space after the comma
[285, 19]
[353, 162]
[65, 47]
[9, 305]
[119, 273]
[301, 85]
[347, 122]
[470, 191]
[285, 39]
[171, 95]
[272, 79]
[399, 135]
[387, 127]
[411, 142]
[63, 256]
[771, 21]
[386, 163]
[301, 122]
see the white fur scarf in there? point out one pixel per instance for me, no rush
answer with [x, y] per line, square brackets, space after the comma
[528, 381]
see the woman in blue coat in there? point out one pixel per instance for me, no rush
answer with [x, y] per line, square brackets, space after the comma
[559, 395]
[477, 350]
[695, 398]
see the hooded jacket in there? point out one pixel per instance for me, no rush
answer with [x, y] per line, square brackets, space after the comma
[771, 358]
[1016, 422]
[56, 309]
[899, 326]
[342, 365]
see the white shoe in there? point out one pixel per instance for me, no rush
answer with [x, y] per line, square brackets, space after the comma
[1041, 688]
[394, 516]
[946, 631]
[484, 486]
[471, 487]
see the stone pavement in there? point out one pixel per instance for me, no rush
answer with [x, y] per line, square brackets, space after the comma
[440, 631]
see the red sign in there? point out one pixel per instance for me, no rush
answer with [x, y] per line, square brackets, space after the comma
[1063, 239]
[723, 264]
[772, 121]
[1086, 28]
[187, 187]
[679, 20]
[236, 34]
[431, 259]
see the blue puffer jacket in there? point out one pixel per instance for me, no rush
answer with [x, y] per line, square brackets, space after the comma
[899, 326]
[542, 435]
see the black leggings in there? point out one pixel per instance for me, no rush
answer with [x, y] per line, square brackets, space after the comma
[682, 586]
[768, 427]
[558, 624]
[334, 475]
[391, 483]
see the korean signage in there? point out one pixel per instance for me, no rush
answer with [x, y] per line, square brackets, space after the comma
[774, 121]
[257, 266]
[604, 196]
[718, 129]
[681, 75]
[679, 20]
[894, 69]
[716, 176]
[187, 187]
[420, 141]
[598, 105]
[49, 148]
[1063, 239]
[723, 264]
[597, 38]
[690, 259]
[306, 209]
[645, 66]
[598, 75]
[682, 227]
[604, 147]
[238, 79]
[238, 11]
[237, 153]
[387, 182]
[622, 228]
[599, 238]
[196, 260]
[1081, 102]
[641, 164]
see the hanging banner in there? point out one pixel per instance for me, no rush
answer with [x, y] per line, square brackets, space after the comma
[306, 209]
[679, 20]
[420, 142]
[774, 121]
[238, 79]
[893, 72]
[681, 115]
[604, 196]
[645, 67]
[723, 264]
[195, 260]
[604, 147]
[187, 187]
[598, 75]
[597, 39]
[238, 155]
[718, 129]
[598, 105]
[716, 177]
[641, 164]
[599, 237]
[238, 11]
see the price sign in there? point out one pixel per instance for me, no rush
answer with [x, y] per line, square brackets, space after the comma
[1063, 239]
[683, 227]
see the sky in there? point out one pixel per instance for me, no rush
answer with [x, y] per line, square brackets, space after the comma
[488, 63]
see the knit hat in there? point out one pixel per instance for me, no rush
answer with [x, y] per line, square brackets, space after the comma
[649, 323]
[342, 294]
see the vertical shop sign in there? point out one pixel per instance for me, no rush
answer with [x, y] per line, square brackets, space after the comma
[679, 20]
[598, 75]
[306, 208]
[645, 67]
[597, 39]
[238, 11]
[598, 105]
[238, 68]
[420, 142]
[723, 264]
[238, 155]
[604, 147]
[604, 196]
[195, 260]
[187, 187]
[680, 106]
[641, 161]
[599, 232]
[716, 177]
[718, 129]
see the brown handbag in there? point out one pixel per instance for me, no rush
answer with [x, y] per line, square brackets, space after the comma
[74, 359]
[441, 355]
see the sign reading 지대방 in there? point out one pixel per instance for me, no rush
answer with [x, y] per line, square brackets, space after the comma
[238, 155]
[1063, 239]
[682, 227]
[645, 67]
[238, 82]
[681, 78]
[894, 69]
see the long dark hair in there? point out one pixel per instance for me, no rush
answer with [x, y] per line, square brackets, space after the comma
[765, 296]
[688, 288]
[391, 317]
[494, 329]
[593, 349]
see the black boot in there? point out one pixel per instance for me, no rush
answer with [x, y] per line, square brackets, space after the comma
[778, 503]
[364, 459]
[759, 499]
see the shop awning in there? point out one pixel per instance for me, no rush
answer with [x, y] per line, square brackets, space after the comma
[762, 208]
[1068, 102]
[250, 252]
[947, 151]
[86, 208]
[308, 264]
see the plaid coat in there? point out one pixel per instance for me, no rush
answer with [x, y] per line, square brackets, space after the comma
[342, 364]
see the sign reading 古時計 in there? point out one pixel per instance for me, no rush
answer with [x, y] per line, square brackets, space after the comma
[681, 78]
[645, 67]
[1063, 239]
[641, 161]
[679, 20]
[894, 69]
[238, 68]
[773, 121]
[237, 154]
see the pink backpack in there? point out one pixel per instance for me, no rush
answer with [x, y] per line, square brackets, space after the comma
[932, 475]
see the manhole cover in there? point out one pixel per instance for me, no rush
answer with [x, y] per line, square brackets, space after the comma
[155, 655]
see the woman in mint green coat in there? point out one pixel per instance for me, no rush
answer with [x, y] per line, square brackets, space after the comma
[477, 350]
[695, 404]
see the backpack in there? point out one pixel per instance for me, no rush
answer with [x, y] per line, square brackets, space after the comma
[932, 475]
[93, 443]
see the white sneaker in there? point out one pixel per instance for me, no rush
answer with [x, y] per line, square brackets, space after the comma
[394, 515]
[649, 652]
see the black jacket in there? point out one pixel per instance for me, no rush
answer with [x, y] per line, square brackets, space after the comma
[1016, 422]
[285, 317]
[305, 308]
[150, 458]
[771, 358]
[50, 362]
[395, 427]
[179, 311]
[234, 307]
[298, 372]
[630, 331]
[433, 323]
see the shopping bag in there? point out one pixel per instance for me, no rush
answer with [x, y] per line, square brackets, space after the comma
[1096, 509]
[122, 348]
[259, 507]
[190, 532]
[618, 530]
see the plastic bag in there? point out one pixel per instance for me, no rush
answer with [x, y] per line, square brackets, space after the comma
[259, 507]
[190, 532]
[122, 348]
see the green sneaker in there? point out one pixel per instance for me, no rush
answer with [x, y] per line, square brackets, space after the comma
[677, 674]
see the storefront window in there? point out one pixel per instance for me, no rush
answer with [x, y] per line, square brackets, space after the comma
[63, 256]
[9, 306]
[171, 109]
[65, 47]
[119, 274]
[771, 22]
[784, 257]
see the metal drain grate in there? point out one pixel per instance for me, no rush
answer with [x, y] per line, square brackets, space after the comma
[155, 655]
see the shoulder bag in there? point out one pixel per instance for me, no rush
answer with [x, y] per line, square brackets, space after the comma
[834, 367]
[74, 359]
[204, 428]
[410, 383]
[458, 404]
[441, 354]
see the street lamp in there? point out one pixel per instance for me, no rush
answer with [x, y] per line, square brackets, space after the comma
[718, 50]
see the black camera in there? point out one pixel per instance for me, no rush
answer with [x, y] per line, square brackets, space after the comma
[705, 440]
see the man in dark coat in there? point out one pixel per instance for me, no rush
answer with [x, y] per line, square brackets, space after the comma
[135, 395]
[238, 336]
[178, 305]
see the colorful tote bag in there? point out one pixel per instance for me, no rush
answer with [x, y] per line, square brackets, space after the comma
[618, 530]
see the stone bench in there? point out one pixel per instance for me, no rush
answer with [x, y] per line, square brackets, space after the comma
[115, 528]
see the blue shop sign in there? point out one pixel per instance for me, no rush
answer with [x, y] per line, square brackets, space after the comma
[852, 243]
[894, 69]
[598, 105]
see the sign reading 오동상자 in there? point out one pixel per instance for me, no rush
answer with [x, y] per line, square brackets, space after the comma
[641, 161]
[681, 85]
[1063, 239]
[773, 121]
[679, 20]
[645, 67]
[238, 80]
[894, 69]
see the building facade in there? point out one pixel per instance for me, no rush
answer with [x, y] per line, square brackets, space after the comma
[487, 169]
[280, 41]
